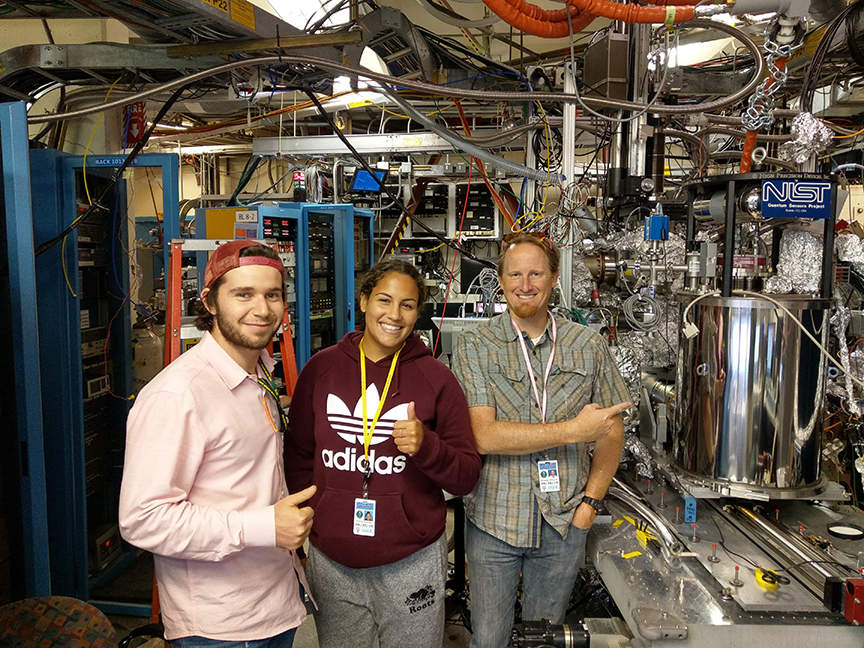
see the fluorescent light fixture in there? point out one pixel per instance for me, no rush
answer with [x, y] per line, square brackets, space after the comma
[174, 147]
[371, 61]
[173, 127]
[692, 53]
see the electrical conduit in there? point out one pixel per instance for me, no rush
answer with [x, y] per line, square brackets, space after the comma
[474, 151]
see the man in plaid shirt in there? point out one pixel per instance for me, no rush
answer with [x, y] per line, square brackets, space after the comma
[545, 401]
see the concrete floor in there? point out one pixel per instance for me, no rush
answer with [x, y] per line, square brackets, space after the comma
[455, 635]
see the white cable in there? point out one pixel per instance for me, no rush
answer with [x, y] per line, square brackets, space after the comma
[690, 305]
[629, 309]
[850, 165]
[561, 292]
[748, 293]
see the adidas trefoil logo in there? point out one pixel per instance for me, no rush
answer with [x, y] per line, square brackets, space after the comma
[349, 426]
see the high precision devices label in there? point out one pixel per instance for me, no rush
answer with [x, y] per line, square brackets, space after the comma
[796, 199]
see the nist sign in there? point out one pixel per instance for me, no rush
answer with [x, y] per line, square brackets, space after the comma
[796, 199]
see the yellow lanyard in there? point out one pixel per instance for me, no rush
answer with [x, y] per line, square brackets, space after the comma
[369, 429]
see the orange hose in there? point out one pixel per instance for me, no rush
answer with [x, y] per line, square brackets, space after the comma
[533, 20]
[553, 24]
[537, 13]
[747, 151]
[633, 13]
[670, 3]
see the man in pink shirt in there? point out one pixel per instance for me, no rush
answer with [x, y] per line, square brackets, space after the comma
[203, 481]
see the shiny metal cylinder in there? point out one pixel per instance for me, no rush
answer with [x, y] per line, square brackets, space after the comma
[750, 391]
[602, 267]
[659, 391]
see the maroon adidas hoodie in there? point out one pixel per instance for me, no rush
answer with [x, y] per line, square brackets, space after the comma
[324, 446]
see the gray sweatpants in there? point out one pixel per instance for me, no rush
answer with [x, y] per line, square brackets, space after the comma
[391, 606]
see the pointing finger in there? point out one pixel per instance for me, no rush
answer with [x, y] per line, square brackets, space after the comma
[619, 408]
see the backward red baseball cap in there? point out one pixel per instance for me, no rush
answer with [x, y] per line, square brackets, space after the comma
[227, 257]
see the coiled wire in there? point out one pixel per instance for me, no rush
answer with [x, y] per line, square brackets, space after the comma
[630, 313]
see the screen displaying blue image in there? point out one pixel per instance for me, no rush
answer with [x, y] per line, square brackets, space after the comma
[364, 182]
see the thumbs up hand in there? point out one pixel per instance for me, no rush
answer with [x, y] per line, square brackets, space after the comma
[408, 435]
[293, 520]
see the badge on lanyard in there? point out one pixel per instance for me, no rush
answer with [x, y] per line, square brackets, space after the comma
[364, 517]
[549, 479]
[364, 508]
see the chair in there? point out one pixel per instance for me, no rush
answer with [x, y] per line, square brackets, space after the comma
[48, 621]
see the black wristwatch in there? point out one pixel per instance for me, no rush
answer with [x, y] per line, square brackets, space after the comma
[596, 504]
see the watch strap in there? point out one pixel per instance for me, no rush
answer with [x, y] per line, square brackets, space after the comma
[596, 504]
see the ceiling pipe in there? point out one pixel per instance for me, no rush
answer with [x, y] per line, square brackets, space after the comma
[533, 20]
[553, 24]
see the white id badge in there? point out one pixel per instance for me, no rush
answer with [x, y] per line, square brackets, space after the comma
[364, 517]
[549, 481]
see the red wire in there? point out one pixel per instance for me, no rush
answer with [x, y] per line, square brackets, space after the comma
[455, 254]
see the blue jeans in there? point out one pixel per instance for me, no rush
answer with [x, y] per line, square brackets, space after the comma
[548, 575]
[284, 640]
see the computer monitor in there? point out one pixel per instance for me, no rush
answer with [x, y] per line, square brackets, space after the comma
[451, 327]
[365, 183]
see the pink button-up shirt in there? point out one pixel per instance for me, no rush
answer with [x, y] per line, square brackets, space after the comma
[202, 473]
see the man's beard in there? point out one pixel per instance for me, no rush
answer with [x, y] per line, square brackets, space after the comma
[233, 334]
[524, 311]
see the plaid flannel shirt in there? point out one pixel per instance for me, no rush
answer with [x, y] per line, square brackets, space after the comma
[489, 364]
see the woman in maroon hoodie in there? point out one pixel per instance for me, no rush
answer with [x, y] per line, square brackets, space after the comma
[381, 428]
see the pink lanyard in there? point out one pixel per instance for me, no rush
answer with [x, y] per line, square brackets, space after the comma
[540, 404]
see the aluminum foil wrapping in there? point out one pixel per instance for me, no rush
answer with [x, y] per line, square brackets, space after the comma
[633, 342]
[809, 136]
[640, 453]
[779, 285]
[583, 281]
[800, 267]
[856, 362]
[676, 252]
[839, 322]
[850, 249]
[629, 240]
[657, 348]
[631, 371]
[833, 389]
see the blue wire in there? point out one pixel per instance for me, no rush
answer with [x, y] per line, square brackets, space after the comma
[521, 196]
[272, 78]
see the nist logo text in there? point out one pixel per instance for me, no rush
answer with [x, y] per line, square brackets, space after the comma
[792, 191]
